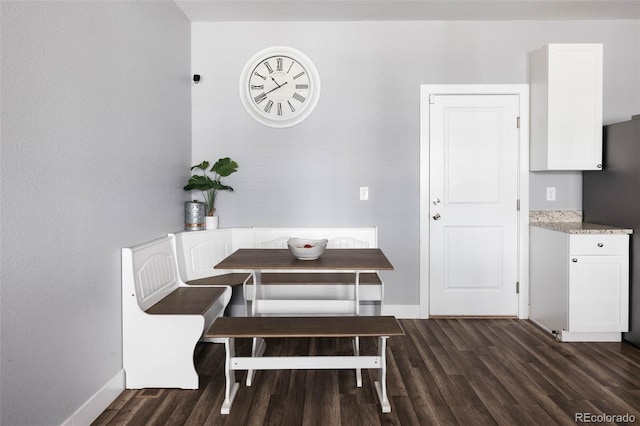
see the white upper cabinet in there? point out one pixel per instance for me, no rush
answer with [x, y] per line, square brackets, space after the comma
[566, 107]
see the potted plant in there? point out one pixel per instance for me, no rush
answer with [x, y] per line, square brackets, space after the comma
[209, 186]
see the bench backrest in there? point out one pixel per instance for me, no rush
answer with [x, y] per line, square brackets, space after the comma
[337, 237]
[153, 269]
[201, 251]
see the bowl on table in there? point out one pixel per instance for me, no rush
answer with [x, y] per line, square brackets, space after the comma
[306, 249]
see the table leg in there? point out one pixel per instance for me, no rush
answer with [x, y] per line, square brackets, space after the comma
[257, 349]
[231, 386]
[356, 340]
[258, 345]
[356, 352]
[257, 291]
[381, 383]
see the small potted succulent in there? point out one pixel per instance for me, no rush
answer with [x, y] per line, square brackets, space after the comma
[209, 186]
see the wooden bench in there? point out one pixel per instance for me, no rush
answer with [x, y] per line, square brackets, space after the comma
[163, 318]
[230, 328]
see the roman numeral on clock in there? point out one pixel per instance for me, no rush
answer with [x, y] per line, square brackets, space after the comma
[257, 87]
[298, 97]
[300, 74]
[302, 86]
[261, 97]
[267, 107]
[279, 64]
[259, 75]
[266, 64]
[279, 108]
[291, 106]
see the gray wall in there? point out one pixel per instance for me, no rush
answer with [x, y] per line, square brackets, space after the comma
[96, 135]
[365, 129]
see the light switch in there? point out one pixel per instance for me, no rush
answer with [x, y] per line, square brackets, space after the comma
[364, 193]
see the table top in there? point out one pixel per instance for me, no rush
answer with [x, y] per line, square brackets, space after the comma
[331, 259]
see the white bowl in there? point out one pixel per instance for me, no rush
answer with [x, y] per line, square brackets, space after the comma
[306, 249]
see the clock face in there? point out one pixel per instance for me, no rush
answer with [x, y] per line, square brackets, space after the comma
[279, 87]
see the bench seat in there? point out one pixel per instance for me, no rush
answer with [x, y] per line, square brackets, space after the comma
[230, 328]
[267, 327]
[369, 278]
[233, 279]
[187, 301]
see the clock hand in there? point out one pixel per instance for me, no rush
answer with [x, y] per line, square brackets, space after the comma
[276, 88]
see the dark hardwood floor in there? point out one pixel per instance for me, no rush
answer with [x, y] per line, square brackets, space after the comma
[444, 371]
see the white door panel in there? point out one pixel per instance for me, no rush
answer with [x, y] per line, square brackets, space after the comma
[474, 190]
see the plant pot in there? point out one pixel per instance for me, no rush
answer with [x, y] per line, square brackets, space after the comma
[211, 222]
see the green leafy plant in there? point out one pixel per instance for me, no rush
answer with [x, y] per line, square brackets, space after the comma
[209, 186]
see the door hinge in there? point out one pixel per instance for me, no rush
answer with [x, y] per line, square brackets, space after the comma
[432, 98]
[518, 204]
[518, 123]
[517, 287]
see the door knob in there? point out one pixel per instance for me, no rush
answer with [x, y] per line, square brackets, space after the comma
[436, 216]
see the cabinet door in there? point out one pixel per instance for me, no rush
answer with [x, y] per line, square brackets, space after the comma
[566, 107]
[598, 293]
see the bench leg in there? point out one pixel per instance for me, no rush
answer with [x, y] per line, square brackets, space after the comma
[257, 349]
[381, 384]
[231, 386]
[356, 352]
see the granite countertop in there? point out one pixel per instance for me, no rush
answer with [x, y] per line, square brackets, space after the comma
[570, 221]
[581, 228]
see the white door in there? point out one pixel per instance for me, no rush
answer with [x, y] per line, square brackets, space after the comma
[473, 205]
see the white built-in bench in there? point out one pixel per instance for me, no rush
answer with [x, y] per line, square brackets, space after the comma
[229, 329]
[199, 251]
[163, 318]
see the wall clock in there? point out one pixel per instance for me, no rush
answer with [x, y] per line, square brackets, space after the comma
[279, 86]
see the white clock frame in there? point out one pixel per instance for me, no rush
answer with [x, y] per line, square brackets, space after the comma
[257, 111]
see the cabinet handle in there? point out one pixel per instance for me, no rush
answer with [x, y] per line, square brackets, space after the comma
[574, 260]
[600, 245]
[599, 166]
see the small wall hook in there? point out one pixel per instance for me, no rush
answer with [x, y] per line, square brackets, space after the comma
[196, 78]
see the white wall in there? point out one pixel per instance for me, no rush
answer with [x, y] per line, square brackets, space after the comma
[95, 116]
[365, 129]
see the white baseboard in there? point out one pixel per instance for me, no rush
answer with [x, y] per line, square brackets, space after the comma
[399, 311]
[402, 311]
[94, 406]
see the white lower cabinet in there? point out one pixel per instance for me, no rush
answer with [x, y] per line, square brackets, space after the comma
[580, 284]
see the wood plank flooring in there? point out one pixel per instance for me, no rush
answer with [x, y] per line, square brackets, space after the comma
[443, 371]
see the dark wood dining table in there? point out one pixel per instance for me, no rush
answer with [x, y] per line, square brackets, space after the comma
[344, 260]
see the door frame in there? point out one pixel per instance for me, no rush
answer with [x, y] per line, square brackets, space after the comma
[522, 91]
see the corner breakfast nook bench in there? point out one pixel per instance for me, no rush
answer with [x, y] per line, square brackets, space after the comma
[230, 328]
